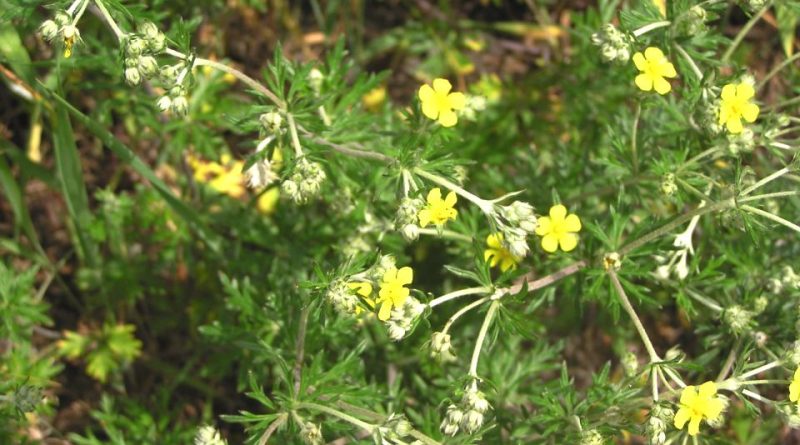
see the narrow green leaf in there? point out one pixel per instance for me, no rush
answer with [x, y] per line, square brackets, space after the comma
[70, 175]
[128, 156]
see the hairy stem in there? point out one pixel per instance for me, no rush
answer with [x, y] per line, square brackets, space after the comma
[459, 293]
[626, 304]
[476, 353]
[743, 32]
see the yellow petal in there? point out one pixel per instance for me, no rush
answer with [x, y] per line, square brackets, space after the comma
[728, 92]
[653, 54]
[794, 391]
[457, 101]
[568, 241]
[714, 408]
[681, 417]
[424, 217]
[425, 93]
[450, 199]
[644, 82]
[550, 243]
[694, 425]
[638, 60]
[543, 226]
[430, 110]
[668, 70]
[448, 118]
[661, 85]
[405, 275]
[385, 311]
[724, 113]
[734, 125]
[390, 275]
[557, 214]
[707, 389]
[745, 91]
[494, 240]
[508, 263]
[750, 112]
[434, 196]
[489, 254]
[689, 395]
[572, 223]
[441, 86]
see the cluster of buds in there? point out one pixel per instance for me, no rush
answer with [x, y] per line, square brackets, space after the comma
[591, 437]
[61, 27]
[341, 297]
[788, 279]
[262, 173]
[441, 348]
[208, 435]
[668, 186]
[630, 363]
[744, 142]
[272, 123]
[656, 429]
[406, 218]
[753, 6]
[692, 22]
[27, 397]
[315, 78]
[305, 182]
[139, 51]
[384, 263]
[402, 320]
[468, 414]
[615, 45]
[311, 434]
[516, 222]
[738, 318]
[395, 429]
[473, 105]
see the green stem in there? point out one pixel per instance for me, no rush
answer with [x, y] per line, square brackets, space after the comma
[476, 353]
[336, 413]
[110, 20]
[298, 150]
[698, 157]
[743, 32]
[770, 196]
[626, 304]
[690, 61]
[772, 217]
[764, 181]
[760, 369]
[446, 234]
[668, 227]
[707, 302]
[485, 206]
[461, 312]
[634, 131]
[459, 293]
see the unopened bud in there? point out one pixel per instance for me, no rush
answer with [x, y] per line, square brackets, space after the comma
[49, 30]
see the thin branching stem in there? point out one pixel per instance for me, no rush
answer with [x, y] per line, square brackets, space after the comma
[476, 353]
[743, 32]
[626, 304]
[459, 293]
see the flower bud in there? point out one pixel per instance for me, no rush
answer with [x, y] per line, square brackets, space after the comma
[62, 18]
[180, 106]
[630, 363]
[132, 76]
[793, 354]
[168, 74]
[315, 78]
[737, 318]
[148, 66]
[271, 122]
[311, 434]
[48, 30]
[476, 400]
[134, 46]
[612, 260]
[148, 29]
[208, 435]
[410, 232]
[396, 332]
[164, 103]
[760, 304]
[27, 397]
[668, 186]
[591, 437]
[472, 421]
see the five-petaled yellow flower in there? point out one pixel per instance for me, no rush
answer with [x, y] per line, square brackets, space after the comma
[364, 289]
[438, 103]
[654, 67]
[736, 105]
[438, 210]
[559, 229]
[698, 404]
[496, 253]
[794, 387]
[393, 292]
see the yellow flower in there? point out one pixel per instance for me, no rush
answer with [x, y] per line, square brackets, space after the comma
[736, 105]
[438, 210]
[698, 404]
[364, 289]
[439, 104]
[497, 253]
[654, 67]
[794, 387]
[558, 229]
[374, 98]
[224, 177]
[393, 292]
[268, 201]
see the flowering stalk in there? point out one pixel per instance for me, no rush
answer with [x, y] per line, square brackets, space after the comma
[107, 16]
[761, 369]
[461, 312]
[771, 216]
[690, 61]
[764, 181]
[626, 304]
[336, 413]
[651, 26]
[446, 234]
[776, 70]
[298, 150]
[476, 353]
